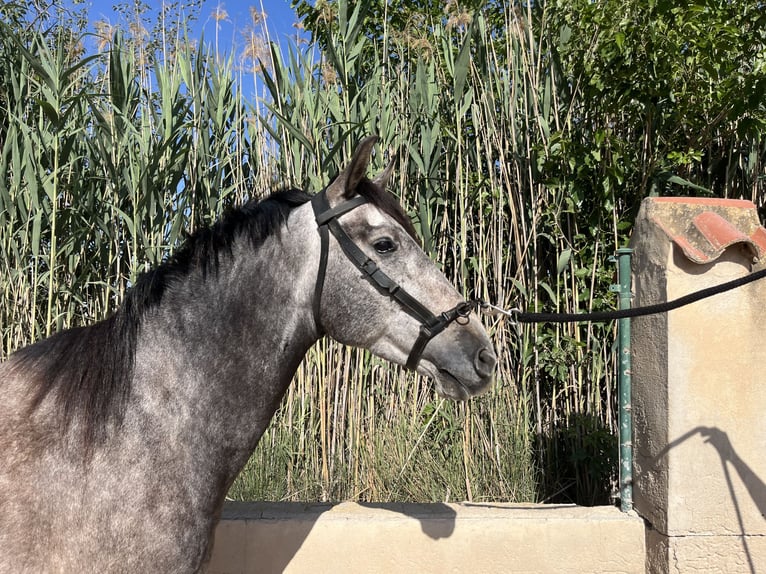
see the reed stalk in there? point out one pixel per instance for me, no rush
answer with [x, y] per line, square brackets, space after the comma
[106, 160]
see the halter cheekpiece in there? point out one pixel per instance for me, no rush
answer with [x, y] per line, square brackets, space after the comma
[430, 324]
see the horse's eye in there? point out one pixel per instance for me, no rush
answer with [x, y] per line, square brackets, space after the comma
[384, 245]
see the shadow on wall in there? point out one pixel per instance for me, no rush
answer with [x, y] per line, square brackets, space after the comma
[436, 520]
[272, 535]
[755, 486]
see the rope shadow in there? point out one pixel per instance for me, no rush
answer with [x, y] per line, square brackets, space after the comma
[754, 485]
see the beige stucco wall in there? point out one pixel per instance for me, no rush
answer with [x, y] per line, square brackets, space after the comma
[426, 538]
[698, 401]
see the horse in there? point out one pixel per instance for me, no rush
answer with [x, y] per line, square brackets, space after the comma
[120, 440]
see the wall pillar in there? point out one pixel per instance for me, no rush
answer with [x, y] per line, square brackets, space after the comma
[699, 387]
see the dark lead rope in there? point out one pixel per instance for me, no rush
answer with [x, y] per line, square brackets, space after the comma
[601, 316]
[430, 324]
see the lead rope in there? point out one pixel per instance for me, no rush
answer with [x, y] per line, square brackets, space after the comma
[519, 316]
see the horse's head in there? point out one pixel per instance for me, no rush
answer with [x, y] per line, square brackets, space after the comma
[377, 289]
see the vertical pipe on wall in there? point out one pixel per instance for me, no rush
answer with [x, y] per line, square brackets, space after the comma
[626, 417]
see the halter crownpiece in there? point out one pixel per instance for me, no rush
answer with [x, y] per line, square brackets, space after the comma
[430, 324]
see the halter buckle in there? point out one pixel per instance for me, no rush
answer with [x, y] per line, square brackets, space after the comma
[369, 267]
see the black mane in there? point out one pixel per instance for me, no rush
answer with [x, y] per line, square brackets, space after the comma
[89, 369]
[255, 220]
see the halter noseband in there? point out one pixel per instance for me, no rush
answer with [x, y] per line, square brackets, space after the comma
[430, 324]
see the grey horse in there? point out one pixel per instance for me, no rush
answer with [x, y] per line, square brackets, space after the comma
[119, 441]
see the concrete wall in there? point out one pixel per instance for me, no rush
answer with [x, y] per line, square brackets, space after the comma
[698, 388]
[463, 538]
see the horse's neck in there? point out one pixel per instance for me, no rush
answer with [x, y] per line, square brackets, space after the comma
[212, 361]
[213, 365]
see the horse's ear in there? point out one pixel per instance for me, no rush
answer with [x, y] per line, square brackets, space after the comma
[382, 178]
[346, 183]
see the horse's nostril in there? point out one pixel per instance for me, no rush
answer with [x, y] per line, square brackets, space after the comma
[485, 362]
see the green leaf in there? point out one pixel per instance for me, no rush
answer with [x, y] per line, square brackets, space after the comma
[686, 183]
[462, 65]
[563, 260]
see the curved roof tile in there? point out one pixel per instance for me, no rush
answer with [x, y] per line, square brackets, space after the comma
[703, 228]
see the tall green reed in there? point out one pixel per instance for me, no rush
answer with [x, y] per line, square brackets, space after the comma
[106, 161]
[164, 144]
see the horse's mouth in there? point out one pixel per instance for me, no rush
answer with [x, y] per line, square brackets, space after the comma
[451, 387]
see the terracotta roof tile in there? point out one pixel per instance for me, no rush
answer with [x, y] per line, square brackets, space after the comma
[703, 228]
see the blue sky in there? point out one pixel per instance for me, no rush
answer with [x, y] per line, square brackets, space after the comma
[280, 18]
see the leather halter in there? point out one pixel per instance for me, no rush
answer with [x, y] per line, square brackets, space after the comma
[430, 324]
